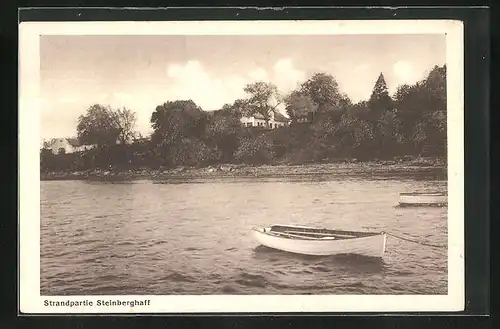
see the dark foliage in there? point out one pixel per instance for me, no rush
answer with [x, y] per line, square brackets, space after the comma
[324, 125]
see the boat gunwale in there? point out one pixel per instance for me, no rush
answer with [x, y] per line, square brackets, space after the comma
[423, 193]
[334, 233]
[296, 237]
[423, 204]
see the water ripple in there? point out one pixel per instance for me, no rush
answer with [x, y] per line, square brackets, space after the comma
[145, 238]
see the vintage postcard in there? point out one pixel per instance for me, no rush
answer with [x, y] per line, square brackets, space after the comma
[241, 166]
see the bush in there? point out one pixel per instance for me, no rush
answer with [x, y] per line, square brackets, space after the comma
[255, 151]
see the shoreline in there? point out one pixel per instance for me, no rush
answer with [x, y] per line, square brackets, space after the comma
[381, 168]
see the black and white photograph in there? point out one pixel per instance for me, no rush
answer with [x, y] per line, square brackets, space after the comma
[284, 166]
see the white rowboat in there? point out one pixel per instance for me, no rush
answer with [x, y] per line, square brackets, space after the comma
[423, 199]
[321, 242]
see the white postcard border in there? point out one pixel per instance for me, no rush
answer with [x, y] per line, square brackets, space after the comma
[31, 301]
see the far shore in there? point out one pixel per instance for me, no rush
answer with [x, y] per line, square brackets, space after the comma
[415, 167]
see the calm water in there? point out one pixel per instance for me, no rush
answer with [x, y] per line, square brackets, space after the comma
[194, 238]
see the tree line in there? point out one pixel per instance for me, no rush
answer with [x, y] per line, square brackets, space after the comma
[324, 125]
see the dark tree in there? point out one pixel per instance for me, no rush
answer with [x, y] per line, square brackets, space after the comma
[323, 90]
[299, 107]
[178, 131]
[125, 120]
[421, 109]
[98, 126]
[223, 131]
[380, 101]
[175, 120]
[414, 123]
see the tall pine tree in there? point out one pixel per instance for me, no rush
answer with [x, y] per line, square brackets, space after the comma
[380, 100]
[379, 104]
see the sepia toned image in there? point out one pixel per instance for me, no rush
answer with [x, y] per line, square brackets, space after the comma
[247, 165]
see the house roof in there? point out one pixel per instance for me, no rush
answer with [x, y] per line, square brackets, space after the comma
[74, 142]
[258, 116]
[280, 117]
[277, 117]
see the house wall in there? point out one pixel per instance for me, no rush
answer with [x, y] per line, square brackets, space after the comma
[248, 120]
[277, 124]
[61, 143]
[254, 122]
[83, 148]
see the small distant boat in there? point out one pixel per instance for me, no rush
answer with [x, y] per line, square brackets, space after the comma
[320, 241]
[423, 199]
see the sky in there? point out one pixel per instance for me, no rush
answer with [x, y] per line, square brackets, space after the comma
[141, 72]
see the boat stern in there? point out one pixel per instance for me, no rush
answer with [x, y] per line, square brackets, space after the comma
[260, 229]
[259, 233]
[423, 199]
[384, 242]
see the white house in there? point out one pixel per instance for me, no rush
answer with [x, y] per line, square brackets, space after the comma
[257, 120]
[67, 145]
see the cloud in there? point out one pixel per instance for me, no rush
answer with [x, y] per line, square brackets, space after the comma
[180, 81]
[122, 97]
[404, 72]
[286, 76]
[361, 68]
[102, 97]
[69, 99]
[192, 81]
[259, 74]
